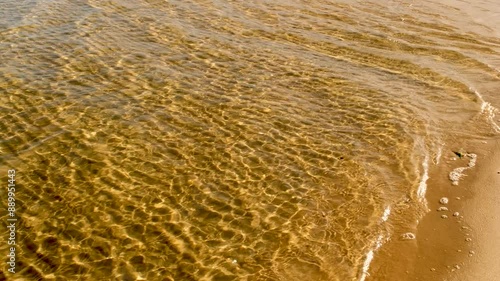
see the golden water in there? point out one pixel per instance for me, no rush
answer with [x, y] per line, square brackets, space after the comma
[230, 140]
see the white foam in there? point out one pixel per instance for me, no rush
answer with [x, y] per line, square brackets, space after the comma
[378, 244]
[438, 154]
[408, 236]
[473, 159]
[366, 265]
[422, 186]
[369, 258]
[488, 110]
[386, 214]
[458, 173]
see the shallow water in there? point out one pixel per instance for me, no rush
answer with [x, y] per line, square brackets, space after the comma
[232, 140]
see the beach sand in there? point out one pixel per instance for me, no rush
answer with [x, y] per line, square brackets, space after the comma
[483, 215]
[459, 247]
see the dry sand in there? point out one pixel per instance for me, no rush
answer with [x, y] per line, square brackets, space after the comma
[453, 247]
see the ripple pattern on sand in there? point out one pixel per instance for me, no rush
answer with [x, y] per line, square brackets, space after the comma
[211, 140]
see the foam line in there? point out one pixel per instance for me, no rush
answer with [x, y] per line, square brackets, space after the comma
[488, 110]
[422, 186]
[369, 258]
[386, 214]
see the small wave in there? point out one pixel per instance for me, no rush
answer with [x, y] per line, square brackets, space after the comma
[422, 186]
[386, 214]
[378, 244]
[369, 257]
[492, 67]
[488, 110]
[439, 154]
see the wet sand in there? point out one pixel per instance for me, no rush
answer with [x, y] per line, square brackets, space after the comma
[483, 215]
[449, 245]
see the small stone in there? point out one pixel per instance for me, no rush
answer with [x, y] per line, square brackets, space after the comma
[408, 236]
[433, 269]
[468, 239]
[444, 216]
[460, 153]
[442, 209]
[458, 198]
[456, 214]
[443, 200]
[234, 261]
[457, 266]
[459, 251]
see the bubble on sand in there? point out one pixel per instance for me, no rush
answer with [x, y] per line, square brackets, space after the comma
[443, 200]
[468, 239]
[442, 209]
[408, 236]
[456, 174]
[473, 159]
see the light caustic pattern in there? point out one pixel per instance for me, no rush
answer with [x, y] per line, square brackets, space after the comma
[216, 140]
